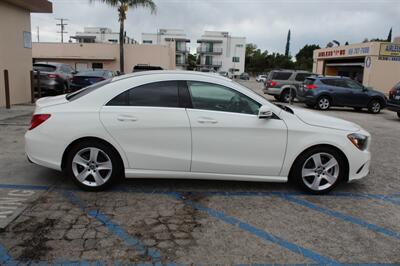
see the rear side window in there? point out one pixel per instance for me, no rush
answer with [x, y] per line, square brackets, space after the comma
[309, 81]
[281, 75]
[156, 94]
[44, 68]
[301, 76]
[330, 82]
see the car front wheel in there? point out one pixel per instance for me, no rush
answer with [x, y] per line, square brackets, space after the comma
[374, 107]
[319, 170]
[93, 166]
[323, 103]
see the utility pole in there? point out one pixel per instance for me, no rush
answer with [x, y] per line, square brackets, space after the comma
[62, 27]
[37, 33]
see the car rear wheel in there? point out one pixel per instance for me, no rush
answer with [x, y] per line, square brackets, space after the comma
[374, 107]
[319, 170]
[93, 166]
[323, 103]
[285, 96]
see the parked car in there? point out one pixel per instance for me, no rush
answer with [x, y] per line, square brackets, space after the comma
[283, 84]
[199, 126]
[393, 103]
[55, 78]
[244, 76]
[139, 68]
[324, 92]
[261, 78]
[225, 74]
[89, 77]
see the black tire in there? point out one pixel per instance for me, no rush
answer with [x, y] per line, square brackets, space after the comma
[285, 96]
[117, 170]
[374, 106]
[323, 103]
[303, 159]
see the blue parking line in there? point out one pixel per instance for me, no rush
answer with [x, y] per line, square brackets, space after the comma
[114, 228]
[18, 186]
[307, 253]
[5, 258]
[342, 216]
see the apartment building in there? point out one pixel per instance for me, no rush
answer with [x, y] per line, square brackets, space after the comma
[221, 52]
[99, 35]
[164, 36]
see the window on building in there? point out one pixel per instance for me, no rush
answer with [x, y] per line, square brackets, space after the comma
[235, 59]
[148, 41]
[97, 65]
[156, 94]
[208, 96]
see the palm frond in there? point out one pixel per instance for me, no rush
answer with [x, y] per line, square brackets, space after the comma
[142, 3]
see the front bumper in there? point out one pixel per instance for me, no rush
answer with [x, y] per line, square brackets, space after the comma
[393, 106]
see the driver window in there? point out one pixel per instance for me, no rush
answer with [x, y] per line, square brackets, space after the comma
[208, 96]
[354, 85]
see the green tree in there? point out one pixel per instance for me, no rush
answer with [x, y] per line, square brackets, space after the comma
[191, 62]
[389, 38]
[287, 49]
[304, 58]
[123, 6]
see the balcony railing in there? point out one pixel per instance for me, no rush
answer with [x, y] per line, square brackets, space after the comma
[212, 63]
[182, 49]
[206, 50]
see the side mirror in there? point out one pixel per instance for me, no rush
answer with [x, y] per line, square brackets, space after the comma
[265, 112]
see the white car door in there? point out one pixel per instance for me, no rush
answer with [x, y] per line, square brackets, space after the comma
[227, 135]
[151, 128]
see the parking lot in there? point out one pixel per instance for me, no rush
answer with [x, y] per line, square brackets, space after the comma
[154, 221]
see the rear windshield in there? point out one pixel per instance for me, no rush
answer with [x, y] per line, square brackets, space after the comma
[309, 81]
[44, 68]
[78, 94]
[281, 75]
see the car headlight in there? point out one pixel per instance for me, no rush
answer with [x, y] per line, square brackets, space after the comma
[359, 140]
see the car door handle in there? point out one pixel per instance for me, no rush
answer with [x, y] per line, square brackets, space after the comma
[206, 120]
[126, 118]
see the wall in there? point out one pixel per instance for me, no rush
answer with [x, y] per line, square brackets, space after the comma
[108, 54]
[13, 55]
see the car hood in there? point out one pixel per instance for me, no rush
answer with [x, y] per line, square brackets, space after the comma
[49, 101]
[316, 119]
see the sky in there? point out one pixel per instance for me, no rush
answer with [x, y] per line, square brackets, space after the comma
[263, 22]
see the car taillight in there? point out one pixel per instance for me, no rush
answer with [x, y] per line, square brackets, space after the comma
[272, 83]
[52, 76]
[310, 87]
[38, 119]
[392, 92]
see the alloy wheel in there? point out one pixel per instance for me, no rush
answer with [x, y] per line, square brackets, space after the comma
[92, 167]
[320, 171]
[376, 107]
[323, 103]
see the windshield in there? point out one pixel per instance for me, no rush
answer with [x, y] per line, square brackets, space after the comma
[82, 92]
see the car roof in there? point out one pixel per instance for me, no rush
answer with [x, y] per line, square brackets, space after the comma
[49, 63]
[171, 72]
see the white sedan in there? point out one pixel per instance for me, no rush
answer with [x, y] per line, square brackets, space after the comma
[181, 124]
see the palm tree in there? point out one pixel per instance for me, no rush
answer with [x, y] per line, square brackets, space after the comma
[123, 6]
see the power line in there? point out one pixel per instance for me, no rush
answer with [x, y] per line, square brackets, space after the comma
[62, 27]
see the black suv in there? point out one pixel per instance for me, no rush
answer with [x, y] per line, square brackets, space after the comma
[283, 83]
[324, 92]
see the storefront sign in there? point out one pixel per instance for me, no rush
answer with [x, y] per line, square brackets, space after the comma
[389, 58]
[337, 52]
[389, 49]
[358, 51]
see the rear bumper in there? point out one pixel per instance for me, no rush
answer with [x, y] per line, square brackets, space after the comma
[307, 99]
[272, 91]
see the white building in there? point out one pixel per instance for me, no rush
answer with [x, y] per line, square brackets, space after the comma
[164, 36]
[222, 52]
[99, 35]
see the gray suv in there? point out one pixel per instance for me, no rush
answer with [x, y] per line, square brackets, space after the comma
[283, 83]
